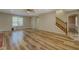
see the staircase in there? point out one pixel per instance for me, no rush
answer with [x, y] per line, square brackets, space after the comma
[61, 24]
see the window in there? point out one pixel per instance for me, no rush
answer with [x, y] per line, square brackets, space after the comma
[17, 21]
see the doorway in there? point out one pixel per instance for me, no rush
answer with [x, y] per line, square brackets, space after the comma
[73, 24]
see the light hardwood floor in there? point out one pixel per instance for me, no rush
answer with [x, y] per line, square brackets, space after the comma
[29, 39]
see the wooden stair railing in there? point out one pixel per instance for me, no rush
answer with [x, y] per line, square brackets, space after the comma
[62, 25]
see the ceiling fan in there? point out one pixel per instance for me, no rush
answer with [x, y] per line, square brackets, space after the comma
[30, 10]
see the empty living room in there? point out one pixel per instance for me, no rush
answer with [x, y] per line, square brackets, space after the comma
[39, 29]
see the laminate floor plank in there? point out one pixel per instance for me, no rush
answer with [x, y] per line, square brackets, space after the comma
[31, 39]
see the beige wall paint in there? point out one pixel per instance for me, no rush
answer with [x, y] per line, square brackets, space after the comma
[6, 22]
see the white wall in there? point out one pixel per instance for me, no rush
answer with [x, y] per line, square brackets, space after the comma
[78, 23]
[47, 22]
[6, 22]
[33, 22]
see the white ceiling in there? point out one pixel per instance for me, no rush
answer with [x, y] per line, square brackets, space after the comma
[23, 12]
